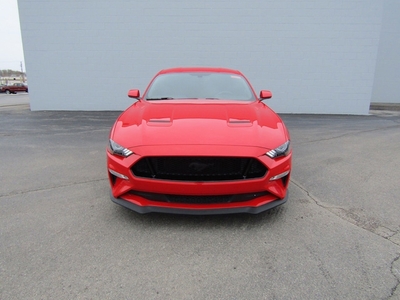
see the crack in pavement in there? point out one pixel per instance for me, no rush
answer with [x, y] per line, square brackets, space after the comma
[51, 188]
[395, 264]
[352, 217]
[395, 270]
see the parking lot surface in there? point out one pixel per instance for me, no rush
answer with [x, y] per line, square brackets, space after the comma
[61, 237]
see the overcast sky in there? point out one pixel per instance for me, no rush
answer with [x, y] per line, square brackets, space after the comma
[11, 53]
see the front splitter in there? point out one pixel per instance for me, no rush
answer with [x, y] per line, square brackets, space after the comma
[183, 211]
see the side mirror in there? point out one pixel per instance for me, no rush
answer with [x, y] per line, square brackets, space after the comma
[134, 94]
[265, 94]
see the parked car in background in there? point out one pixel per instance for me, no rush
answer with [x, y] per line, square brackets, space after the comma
[14, 88]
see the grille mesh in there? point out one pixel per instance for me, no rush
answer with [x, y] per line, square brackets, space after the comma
[189, 168]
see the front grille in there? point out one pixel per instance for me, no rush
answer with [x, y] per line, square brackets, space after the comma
[199, 199]
[199, 168]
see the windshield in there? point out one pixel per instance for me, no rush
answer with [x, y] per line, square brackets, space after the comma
[198, 85]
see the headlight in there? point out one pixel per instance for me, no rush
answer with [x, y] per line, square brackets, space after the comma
[118, 149]
[282, 150]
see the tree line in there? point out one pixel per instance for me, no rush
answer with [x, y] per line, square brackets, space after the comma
[11, 73]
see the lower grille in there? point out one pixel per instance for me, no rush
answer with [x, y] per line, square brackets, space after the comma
[199, 199]
[189, 168]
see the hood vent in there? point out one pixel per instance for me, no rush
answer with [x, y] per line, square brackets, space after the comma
[238, 122]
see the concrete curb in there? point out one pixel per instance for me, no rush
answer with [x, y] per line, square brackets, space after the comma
[384, 106]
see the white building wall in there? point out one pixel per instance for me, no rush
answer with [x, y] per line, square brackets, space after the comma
[315, 56]
[386, 86]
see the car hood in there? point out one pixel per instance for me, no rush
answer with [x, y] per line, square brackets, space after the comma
[173, 122]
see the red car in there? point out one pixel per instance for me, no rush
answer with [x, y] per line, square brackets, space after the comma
[14, 88]
[199, 141]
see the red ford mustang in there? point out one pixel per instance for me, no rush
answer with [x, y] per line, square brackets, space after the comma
[199, 141]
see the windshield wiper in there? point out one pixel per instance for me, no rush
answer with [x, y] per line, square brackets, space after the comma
[161, 98]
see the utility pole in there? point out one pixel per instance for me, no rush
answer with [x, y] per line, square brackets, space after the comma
[22, 74]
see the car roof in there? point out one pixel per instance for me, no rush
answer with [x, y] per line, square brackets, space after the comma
[199, 69]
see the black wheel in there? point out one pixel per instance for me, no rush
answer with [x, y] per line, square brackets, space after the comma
[8, 92]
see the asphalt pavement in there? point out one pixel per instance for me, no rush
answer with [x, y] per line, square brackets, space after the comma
[337, 237]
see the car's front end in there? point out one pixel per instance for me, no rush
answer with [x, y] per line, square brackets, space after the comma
[199, 157]
[199, 179]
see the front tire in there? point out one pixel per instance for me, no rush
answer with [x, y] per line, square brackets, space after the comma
[8, 92]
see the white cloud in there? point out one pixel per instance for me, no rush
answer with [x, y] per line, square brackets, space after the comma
[11, 53]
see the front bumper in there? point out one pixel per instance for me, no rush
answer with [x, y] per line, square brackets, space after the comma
[145, 195]
[199, 211]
